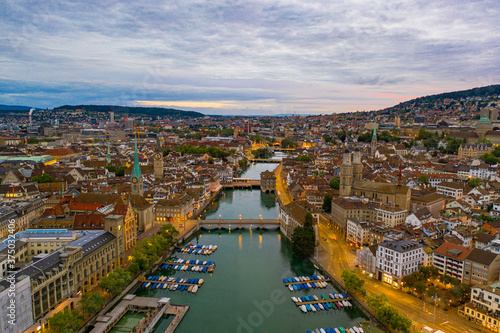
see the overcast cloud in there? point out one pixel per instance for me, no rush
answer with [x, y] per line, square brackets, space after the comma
[245, 57]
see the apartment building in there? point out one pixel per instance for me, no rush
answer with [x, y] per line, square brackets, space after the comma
[451, 189]
[481, 267]
[484, 306]
[358, 232]
[396, 259]
[449, 259]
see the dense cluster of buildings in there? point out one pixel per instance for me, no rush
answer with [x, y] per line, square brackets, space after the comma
[81, 187]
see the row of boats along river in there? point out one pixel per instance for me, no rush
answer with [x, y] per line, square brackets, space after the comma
[245, 293]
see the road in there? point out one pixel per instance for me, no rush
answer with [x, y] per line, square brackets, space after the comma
[283, 193]
[335, 255]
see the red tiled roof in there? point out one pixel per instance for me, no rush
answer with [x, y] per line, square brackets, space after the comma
[88, 221]
[85, 206]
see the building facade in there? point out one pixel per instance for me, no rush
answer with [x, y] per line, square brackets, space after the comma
[396, 259]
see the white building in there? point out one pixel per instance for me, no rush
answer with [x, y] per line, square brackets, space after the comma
[484, 307]
[391, 216]
[397, 259]
[451, 189]
[358, 231]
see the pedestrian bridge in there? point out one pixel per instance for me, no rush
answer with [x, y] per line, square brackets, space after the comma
[243, 184]
[267, 160]
[239, 224]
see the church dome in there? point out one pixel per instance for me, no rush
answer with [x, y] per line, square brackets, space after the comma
[484, 120]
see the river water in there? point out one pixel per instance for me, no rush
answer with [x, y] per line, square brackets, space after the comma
[246, 293]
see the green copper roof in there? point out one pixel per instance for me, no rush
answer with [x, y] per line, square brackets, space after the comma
[108, 159]
[374, 136]
[485, 119]
[137, 170]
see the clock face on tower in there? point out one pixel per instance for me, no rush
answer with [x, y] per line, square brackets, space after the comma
[134, 180]
[157, 156]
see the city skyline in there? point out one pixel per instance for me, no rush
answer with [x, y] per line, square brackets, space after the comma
[245, 58]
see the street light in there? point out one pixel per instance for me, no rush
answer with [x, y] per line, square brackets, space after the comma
[435, 299]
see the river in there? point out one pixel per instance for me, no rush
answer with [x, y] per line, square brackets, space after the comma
[246, 293]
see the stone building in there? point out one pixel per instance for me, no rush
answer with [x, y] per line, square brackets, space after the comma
[474, 150]
[178, 207]
[351, 184]
[268, 181]
[294, 214]
[63, 274]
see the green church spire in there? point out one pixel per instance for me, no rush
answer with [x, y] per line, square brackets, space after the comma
[108, 159]
[374, 136]
[137, 170]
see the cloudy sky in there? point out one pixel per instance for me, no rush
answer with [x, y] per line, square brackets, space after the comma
[245, 57]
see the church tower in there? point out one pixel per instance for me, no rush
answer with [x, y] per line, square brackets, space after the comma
[158, 160]
[108, 158]
[136, 178]
[357, 166]
[346, 175]
[374, 139]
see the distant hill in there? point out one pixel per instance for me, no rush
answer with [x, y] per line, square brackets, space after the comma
[4, 107]
[134, 110]
[457, 95]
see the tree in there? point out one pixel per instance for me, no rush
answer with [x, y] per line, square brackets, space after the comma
[327, 203]
[111, 168]
[335, 183]
[210, 160]
[377, 301]
[257, 138]
[401, 323]
[304, 238]
[429, 272]
[66, 321]
[423, 179]
[474, 182]
[169, 232]
[327, 137]
[44, 178]
[121, 171]
[90, 303]
[489, 158]
[431, 291]
[353, 282]
[116, 281]
[420, 287]
[423, 135]
[496, 151]
[287, 143]
[242, 163]
[385, 313]
[303, 158]
[341, 135]
[365, 137]
[409, 281]
[261, 153]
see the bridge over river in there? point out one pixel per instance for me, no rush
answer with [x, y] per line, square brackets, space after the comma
[239, 224]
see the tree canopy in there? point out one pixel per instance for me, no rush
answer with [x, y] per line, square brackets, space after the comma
[44, 178]
[304, 238]
[353, 282]
[327, 203]
[335, 183]
[287, 143]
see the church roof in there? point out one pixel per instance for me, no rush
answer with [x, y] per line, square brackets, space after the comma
[380, 187]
